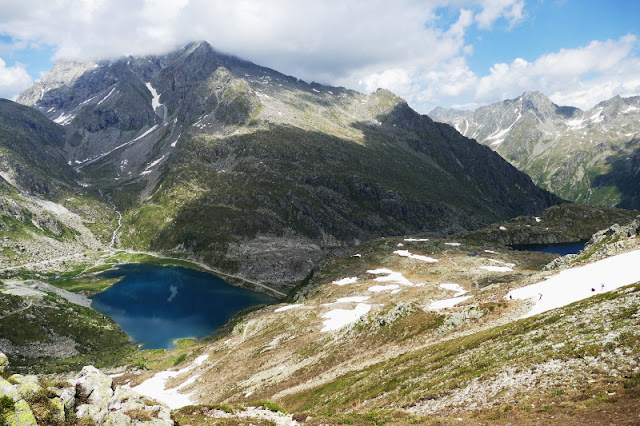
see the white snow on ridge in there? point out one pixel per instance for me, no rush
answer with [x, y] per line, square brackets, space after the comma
[630, 109]
[572, 285]
[454, 287]
[64, 119]
[498, 134]
[452, 244]
[155, 386]
[155, 102]
[105, 98]
[446, 303]
[379, 288]
[391, 276]
[576, 124]
[288, 307]
[345, 281]
[406, 253]
[338, 318]
[155, 126]
[412, 240]
[350, 299]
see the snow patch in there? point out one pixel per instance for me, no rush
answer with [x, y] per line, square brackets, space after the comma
[572, 285]
[576, 124]
[288, 307]
[345, 281]
[338, 318]
[446, 303]
[105, 98]
[358, 299]
[391, 276]
[416, 239]
[630, 109]
[155, 386]
[64, 119]
[452, 244]
[454, 287]
[379, 288]
[406, 253]
[155, 101]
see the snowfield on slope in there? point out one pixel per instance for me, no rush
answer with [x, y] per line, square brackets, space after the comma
[155, 386]
[572, 285]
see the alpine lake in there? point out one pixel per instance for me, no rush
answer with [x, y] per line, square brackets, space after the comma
[558, 248]
[155, 305]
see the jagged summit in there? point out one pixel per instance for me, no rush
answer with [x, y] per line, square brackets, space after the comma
[538, 136]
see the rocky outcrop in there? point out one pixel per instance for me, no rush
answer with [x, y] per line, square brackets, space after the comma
[588, 157]
[614, 240]
[92, 397]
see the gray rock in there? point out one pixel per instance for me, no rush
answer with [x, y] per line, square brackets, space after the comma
[68, 398]
[95, 386]
[8, 389]
[96, 413]
[115, 418]
[4, 363]
[21, 415]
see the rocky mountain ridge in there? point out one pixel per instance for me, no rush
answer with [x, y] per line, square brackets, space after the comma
[589, 157]
[286, 172]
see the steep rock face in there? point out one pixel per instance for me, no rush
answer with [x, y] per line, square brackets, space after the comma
[589, 156]
[43, 209]
[264, 175]
[31, 155]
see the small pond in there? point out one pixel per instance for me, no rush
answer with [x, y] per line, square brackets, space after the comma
[559, 248]
[155, 305]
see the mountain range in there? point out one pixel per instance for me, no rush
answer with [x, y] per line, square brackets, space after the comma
[211, 157]
[589, 157]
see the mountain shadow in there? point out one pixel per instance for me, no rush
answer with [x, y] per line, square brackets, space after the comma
[624, 175]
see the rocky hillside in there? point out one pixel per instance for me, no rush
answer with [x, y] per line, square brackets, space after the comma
[589, 157]
[403, 330]
[44, 211]
[414, 330]
[263, 175]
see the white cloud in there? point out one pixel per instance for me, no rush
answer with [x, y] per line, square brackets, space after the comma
[511, 10]
[402, 45]
[12, 79]
[580, 77]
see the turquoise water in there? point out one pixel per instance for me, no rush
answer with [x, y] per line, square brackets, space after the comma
[559, 248]
[155, 305]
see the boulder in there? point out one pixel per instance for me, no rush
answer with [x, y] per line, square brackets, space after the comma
[21, 415]
[8, 389]
[68, 398]
[4, 363]
[94, 412]
[95, 386]
[27, 386]
[115, 418]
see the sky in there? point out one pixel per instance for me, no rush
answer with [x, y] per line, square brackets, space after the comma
[450, 53]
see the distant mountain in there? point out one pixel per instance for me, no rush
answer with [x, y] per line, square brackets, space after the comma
[590, 157]
[261, 174]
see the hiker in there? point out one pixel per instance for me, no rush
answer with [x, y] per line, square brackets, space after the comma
[540, 298]
[602, 286]
[593, 290]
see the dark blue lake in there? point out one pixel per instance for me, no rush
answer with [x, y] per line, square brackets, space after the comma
[155, 305]
[559, 248]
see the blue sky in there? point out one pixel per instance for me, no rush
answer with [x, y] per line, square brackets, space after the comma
[461, 53]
